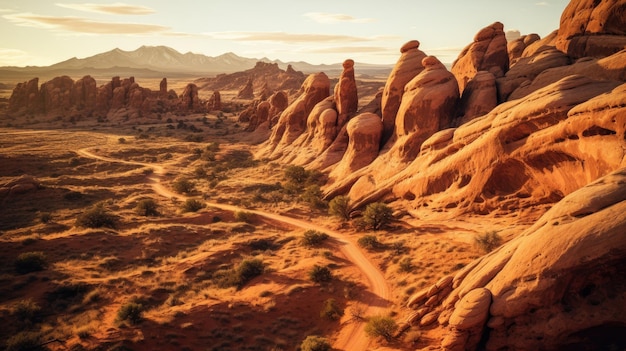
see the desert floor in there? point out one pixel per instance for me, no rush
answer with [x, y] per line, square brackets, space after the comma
[176, 264]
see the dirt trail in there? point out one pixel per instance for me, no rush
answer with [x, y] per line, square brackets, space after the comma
[352, 335]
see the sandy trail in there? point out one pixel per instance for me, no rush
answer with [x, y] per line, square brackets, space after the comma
[352, 334]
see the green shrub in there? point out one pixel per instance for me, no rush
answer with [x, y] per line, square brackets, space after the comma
[339, 206]
[312, 195]
[192, 205]
[183, 186]
[30, 262]
[369, 242]
[96, 217]
[25, 341]
[313, 238]
[331, 310]
[381, 326]
[131, 312]
[377, 215]
[147, 207]
[315, 343]
[489, 241]
[296, 174]
[320, 274]
[240, 275]
[406, 265]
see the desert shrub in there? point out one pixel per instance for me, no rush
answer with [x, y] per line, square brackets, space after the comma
[74, 161]
[369, 242]
[121, 140]
[487, 242]
[296, 174]
[381, 326]
[312, 195]
[199, 172]
[406, 265]
[26, 312]
[147, 207]
[192, 205]
[213, 146]
[339, 206]
[131, 312]
[25, 341]
[239, 159]
[183, 186]
[377, 215]
[299, 178]
[242, 274]
[249, 269]
[320, 274]
[315, 343]
[73, 196]
[96, 217]
[45, 217]
[243, 216]
[313, 238]
[30, 262]
[331, 310]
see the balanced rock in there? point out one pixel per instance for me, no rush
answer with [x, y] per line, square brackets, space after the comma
[408, 66]
[488, 52]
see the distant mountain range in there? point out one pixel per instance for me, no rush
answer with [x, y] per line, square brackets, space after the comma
[163, 61]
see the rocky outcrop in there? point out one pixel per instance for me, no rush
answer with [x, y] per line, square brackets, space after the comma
[479, 97]
[215, 102]
[247, 92]
[18, 186]
[26, 97]
[83, 98]
[428, 105]
[516, 47]
[488, 52]
[558, 285]
[592, 28]
[408, 66]
[293, 120]
[346, 98]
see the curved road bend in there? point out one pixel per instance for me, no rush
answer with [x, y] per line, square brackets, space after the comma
[352, 335]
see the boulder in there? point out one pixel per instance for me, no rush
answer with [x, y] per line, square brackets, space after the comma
[516, 47]
[592, 28]
[408, 66]
[488, 52]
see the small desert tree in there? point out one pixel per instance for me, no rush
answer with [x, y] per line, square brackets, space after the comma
[381, 326]
[339, 206]
[313, 196]
[192, 205]
[377, 215]
[147, 207]
[183, 186]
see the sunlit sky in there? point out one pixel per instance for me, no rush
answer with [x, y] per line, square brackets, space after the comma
[42, 32]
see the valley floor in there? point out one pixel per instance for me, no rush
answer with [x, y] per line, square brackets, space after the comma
[177, 264]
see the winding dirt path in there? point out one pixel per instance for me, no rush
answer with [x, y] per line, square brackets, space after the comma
[352, 334]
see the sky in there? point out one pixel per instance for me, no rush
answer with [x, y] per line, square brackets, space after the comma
[43, 32]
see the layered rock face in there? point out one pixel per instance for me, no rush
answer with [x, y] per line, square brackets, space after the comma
[83, 97]
[559, 285]
[488, 52]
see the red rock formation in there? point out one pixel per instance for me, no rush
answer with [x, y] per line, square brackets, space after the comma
[516, 47]
[479, 97]
[57, 94]
[25, 97]
[85, 94]
[408, 66]
[592, 28]
[163, 87]
[345, 93]
[247, 92]
[279, 101]
[292, 122]
[559, 285]
[189, 99]
[488, 52]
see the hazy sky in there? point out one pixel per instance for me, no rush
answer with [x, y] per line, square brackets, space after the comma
[42, 32]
